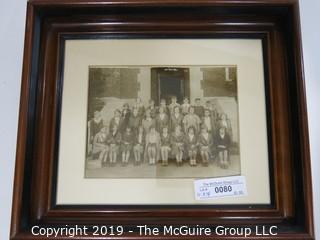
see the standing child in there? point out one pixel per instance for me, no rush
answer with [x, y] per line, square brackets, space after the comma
[212, 105]
[176, 118]
[126, 145]
[225, 122]
[94, 126]
[191, 120]
[177, 142]
[208, 122]
[162, 120]
[152, 108]
[134, 120]
[139, 145]
[116, 121]
[192, 145]
[173, 105]
[208, 105]
[125, 115]
[165, 146]
[163, 104]
[138, 104]
[185, 106]
[198, 108]
[148, 121]
[222, 142]
[215, 110]
[152, 145]
[113, 140]
[205, 143]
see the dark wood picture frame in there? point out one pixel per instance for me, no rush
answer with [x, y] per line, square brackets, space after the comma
[51, 22]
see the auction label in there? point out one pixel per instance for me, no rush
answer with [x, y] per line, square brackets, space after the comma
[220, 187]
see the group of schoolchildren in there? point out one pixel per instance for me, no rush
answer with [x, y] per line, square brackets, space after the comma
[160, 133]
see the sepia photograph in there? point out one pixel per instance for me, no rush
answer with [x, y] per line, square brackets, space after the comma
[162, 122]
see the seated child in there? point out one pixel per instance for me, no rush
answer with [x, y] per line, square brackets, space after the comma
[100, 147]
[222, 143]
[139, 145]
[165, 146]
[205, 143]
[177, 143]
[113, 141]
[152, 145]
[192, 146]
[126, 145]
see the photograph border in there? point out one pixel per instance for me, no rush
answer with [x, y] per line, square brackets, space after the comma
[82, 62]
[278, 24]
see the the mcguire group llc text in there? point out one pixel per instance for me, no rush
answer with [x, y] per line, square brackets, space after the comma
[145, 230]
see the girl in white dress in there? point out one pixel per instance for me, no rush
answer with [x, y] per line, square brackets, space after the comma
[177, 142]
[192, 145]
[205, 143]
[139, 145]
[152, 145]
[165, 146]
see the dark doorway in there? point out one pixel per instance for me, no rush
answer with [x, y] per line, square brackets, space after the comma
[169, 81]
[170, 86]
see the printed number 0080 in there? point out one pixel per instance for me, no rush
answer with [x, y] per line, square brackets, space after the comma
[223, 189]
